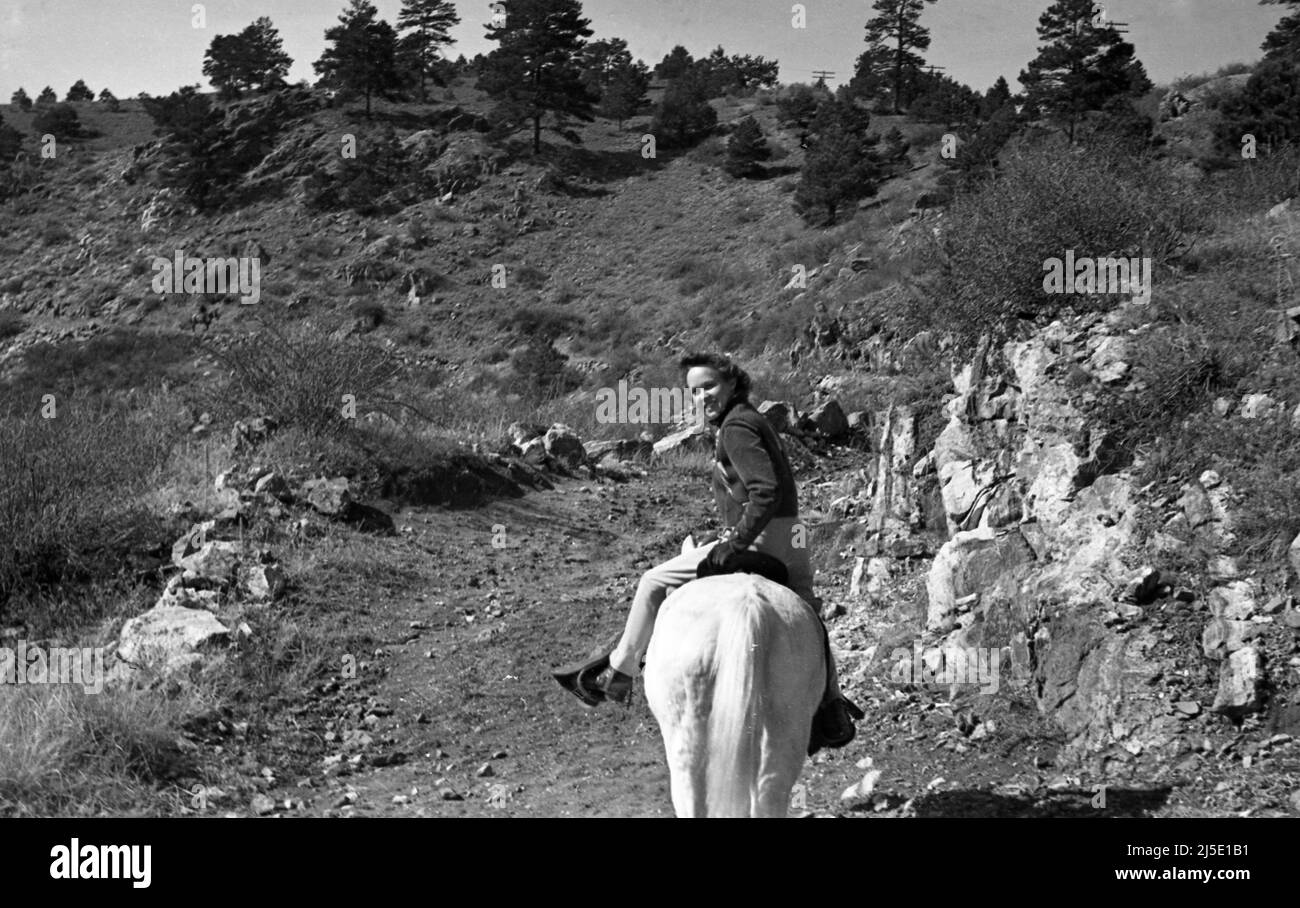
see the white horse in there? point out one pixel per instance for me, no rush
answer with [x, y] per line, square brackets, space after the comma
[734, 673]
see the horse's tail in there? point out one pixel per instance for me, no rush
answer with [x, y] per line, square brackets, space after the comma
[733, 720]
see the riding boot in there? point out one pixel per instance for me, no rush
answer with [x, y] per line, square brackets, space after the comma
[833, 722]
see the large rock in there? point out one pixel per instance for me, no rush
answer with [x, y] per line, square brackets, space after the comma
[265, 582]
[966, 488]
[164, 633]
[970, 562]
[522, 432]
[216, 561]
[248, 434]
[1240, 677]
[1101, 688]
[1223, 636]
[618, 449]
[829, 420]
[896, 504]
[564, 446]
[331, 497]
[1235, 601]
[692, 438]
[781, 414]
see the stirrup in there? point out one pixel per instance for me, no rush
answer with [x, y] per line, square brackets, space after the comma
[578, 678]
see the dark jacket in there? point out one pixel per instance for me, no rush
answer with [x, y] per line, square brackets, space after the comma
[752, 479]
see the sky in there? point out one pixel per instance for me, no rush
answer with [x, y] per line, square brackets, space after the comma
[156, 46]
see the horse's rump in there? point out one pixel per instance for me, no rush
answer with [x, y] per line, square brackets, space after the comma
[734, 673]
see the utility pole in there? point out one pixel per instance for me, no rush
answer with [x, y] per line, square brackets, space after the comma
[821, 75]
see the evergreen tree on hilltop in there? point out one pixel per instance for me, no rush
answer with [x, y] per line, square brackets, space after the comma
[674, 65]
[536, 69]
[746, 149]
[997, 97]
[722, 73]
[894, 36]
[1268, 108]
[21, 100]
[1284, 39]
[363, 53]
[1084, 66]
[79, 92]
[47, 96]
[426, 24]
[841, 165]
[253, 59]
[109, 100]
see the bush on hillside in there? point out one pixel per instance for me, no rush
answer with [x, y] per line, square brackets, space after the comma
[60, 121]
[1048, 200]
[306, 377]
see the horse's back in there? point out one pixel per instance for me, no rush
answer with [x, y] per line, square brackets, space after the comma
[734, 672]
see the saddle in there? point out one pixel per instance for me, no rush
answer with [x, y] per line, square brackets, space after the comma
[748, 561]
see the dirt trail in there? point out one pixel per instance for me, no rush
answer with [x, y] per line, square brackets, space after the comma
[467, 633]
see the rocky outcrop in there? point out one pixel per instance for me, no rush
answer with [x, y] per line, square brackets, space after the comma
[1043, 518]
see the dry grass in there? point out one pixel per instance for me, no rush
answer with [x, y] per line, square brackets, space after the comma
[65, 750]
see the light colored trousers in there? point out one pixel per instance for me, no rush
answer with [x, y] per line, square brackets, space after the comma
[777, 539]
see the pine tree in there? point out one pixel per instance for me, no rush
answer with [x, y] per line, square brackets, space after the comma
[997, 97]
[79, 92]
[841, 165]
[21, 100]
[1284, 39]
[684, 114]
[47, 97]
[426, 24]
[625, 95]
[941, 99]
[746, 149]
[109, 100]
[253, 59]
[535, 70]
[195, 157]
[363, 55]
[60, 121]
[798, 105]
[674, 65]
[1268, 108]
[894, 35]
[601, 60]
[1084, 66]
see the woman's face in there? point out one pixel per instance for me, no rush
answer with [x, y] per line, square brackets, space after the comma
[710, 391]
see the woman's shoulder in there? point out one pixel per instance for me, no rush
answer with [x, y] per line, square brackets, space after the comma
[743, 418]
[743, 412]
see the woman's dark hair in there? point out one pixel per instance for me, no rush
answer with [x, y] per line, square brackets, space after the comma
[726, 368]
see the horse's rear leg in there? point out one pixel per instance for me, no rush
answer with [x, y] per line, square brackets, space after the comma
[683, 745]
[782, 762]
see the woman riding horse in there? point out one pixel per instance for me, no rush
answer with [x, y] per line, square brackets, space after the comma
[754, 489]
